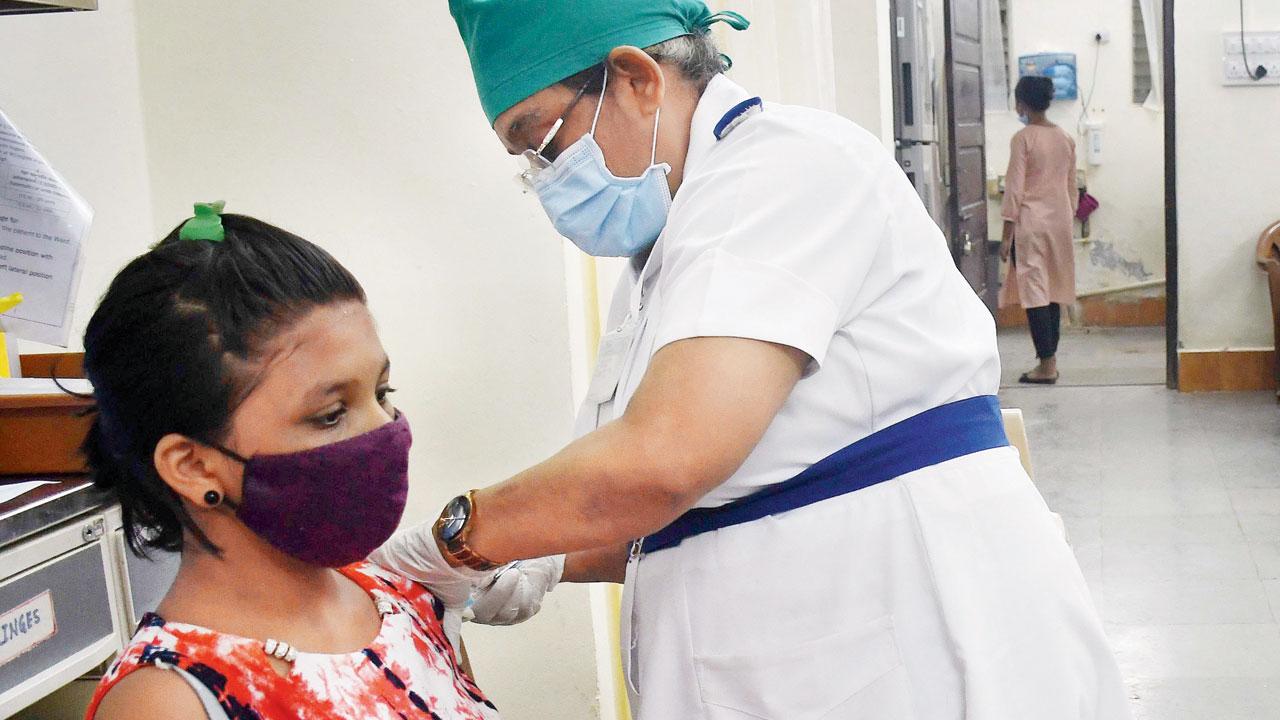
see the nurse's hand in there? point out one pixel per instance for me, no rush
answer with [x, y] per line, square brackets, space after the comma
[514, 593]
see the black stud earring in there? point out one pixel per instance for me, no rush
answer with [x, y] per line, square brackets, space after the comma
[213, 498]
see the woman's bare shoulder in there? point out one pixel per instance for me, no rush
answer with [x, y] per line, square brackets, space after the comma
[153, 694]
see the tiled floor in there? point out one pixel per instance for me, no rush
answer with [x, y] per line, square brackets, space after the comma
[1173, 506]
[1091, 356]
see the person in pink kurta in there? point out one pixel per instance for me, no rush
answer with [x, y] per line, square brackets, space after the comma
[1039, 210]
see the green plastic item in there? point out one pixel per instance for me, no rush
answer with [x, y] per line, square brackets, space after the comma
[518, 47]
[206, 225]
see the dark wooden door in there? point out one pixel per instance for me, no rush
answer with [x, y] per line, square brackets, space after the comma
[966, 143]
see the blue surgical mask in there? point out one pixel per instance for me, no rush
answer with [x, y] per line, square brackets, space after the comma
[605, 215]
[1024, 119]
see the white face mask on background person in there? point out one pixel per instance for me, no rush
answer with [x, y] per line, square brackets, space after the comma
[604, 215]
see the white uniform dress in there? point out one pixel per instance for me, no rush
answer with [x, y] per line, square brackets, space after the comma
[945, 593]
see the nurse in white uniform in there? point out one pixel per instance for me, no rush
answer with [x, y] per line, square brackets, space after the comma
[791, 442]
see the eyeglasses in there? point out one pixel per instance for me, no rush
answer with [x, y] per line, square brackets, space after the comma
[533, 162]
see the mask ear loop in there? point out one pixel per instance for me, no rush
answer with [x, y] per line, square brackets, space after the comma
[653, 154]
[603, 87]
[229, 453]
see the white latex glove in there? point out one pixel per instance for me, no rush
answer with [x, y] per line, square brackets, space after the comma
[414, 554]
[514, 594]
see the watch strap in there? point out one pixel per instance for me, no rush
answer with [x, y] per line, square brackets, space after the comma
[457, 551]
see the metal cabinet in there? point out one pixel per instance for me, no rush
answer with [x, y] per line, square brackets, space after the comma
[60, 614]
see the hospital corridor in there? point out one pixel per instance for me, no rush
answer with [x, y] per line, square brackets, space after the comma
[639, 360]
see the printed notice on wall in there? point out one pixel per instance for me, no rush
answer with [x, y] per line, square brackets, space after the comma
[43, 223]
[26, 626]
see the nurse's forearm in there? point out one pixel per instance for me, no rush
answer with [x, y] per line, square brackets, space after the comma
[608, 564]
[605, 489]
[700, 410]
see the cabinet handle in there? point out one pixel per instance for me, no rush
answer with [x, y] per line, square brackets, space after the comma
[93, 531]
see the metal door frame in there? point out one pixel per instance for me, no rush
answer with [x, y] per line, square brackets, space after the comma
[955, 213]
[1172, 361]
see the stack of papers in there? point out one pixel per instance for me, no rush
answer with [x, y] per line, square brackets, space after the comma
[43, 223]
[9, 492]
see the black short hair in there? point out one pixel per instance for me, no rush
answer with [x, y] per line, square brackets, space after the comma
[163, 349]
[1036, 92]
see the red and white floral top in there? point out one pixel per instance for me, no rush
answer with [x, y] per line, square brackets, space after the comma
[408, 671]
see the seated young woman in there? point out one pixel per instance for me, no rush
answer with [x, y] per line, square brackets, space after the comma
[244, 418]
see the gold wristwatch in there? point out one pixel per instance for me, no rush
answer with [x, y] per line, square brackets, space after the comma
[453, 531]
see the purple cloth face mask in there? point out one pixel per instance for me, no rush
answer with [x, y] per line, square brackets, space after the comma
[331, 505]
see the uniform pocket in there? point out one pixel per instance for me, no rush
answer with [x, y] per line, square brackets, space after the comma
[851, 674]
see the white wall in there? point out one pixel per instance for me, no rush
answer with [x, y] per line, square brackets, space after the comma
[1228, 181]
[1127, 235]
[828, 54]
[69, 81]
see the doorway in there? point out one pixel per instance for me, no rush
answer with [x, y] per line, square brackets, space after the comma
[1113, 66]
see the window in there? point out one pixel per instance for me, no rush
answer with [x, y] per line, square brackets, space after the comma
[995, 54]
[1004, 32]
[1142, 83]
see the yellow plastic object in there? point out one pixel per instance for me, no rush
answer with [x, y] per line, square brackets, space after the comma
[7, 303]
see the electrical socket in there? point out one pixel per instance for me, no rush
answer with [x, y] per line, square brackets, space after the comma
[1263, 49]
[1235, 72]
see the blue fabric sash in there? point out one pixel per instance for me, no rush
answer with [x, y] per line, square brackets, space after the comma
[932, 437]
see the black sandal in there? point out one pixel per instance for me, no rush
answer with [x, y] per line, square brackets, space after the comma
[1026, 379]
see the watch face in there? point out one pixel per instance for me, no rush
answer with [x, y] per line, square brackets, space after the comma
[454, 518]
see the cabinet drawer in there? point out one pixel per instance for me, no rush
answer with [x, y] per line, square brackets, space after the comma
[57, 617]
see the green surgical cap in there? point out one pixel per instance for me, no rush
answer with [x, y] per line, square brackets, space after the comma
[519, 47]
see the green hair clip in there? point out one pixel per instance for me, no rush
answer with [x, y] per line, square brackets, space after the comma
[206, 225]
